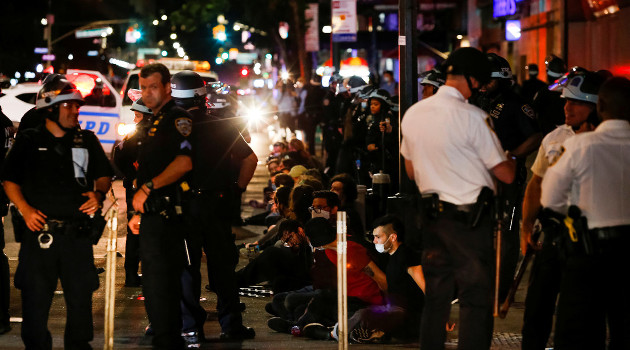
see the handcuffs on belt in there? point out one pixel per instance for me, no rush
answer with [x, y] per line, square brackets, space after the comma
[45, 239]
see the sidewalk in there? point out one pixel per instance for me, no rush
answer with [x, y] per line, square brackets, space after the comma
[131, 318]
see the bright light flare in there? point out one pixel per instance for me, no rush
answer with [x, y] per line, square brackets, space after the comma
[125, 129]
[284, 75]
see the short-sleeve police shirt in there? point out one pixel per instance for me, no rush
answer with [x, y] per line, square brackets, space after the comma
[551, 149]
[514, 120]
[166, 138]
[43, 166]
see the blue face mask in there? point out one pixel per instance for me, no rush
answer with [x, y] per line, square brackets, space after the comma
[364, 105]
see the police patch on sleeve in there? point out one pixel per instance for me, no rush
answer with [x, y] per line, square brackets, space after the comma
[529, 111]
[557, 157]
[183, 126]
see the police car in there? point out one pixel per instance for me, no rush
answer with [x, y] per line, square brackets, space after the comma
[100, 113]
[127, 125]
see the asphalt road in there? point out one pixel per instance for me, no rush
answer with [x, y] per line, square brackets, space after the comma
[131, 319]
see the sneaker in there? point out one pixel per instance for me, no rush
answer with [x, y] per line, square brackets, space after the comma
[279, 325]
[366, 336]
[242, 333]
[192, 340]
[316, 331]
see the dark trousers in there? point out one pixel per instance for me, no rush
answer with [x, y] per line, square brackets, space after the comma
[162, 254]
[285, 270]
[193, 314]
[542, 292]
[210, 213]
[71, 260]
[395, 321]
[457, 255]
[593, 293]
[5, 284]
[322, 308]
[132, 247]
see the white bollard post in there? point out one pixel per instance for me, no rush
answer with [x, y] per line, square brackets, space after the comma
[342, 280]
[110, 278]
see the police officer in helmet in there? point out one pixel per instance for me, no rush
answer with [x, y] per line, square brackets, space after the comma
[532, 85]
[125, 156]
[57, 176]
[549, 106]
[216, 143]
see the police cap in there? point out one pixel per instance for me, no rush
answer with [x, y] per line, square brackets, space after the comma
[468, 61]
[500, 67]
[532, 69]
[556, 66]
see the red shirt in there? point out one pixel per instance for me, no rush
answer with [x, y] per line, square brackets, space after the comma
[360, 285]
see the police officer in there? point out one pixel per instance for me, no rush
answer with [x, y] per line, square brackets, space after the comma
[431, 81]
[6, 139]
[532, 85]
[125, 156]
[163, 159]
[580, 92]
[452, 153]
[57, 176]
[593, 173]
[548, 104]
[515, 125]
[216, 144]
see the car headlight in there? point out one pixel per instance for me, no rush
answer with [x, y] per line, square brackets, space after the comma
[126, 129]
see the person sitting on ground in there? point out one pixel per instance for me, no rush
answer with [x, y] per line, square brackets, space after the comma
[299, 153]
[345, 187]
[311, 181]
[296, 173]
[285, 265]
[282, 208]
[279, 148]
[400, 316]
[318, 175]
[365, 281]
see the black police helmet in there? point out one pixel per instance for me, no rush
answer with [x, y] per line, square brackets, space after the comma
[56, 89]
[188, 89]
[556, 66]
[468, 61]
[500, 67]
[532, 69]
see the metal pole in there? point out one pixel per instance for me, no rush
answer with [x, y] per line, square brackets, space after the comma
[110, 278]
[342, 281]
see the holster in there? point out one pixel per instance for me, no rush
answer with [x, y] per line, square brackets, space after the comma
[162, 205]
[481, 206]
[97, 226]
[580, 225]
[430, 205]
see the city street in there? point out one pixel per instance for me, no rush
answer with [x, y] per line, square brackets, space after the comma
[130, 319]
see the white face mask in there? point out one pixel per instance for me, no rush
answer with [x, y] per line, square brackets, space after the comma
[381, 247]
[322, 214]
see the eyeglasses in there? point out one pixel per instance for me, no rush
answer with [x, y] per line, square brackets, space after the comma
[316, 210]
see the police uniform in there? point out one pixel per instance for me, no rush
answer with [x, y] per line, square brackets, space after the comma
[53, 180]
[594, 171]
[514, 122]
[6, 138]
[162, 248]
[546, 271]
[549, 107]
[216, 143]
[452, 148]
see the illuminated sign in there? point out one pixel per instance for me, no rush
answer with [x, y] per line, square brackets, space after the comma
[503, 8]
[41, 50]
[512, 30]
[49, 57]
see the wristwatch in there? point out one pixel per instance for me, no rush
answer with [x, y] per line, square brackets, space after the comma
[149, 185]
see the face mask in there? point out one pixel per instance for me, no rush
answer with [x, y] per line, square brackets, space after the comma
[381, 247]
[322, 214]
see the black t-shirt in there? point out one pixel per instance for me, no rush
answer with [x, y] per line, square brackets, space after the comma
[216, 142]
[32, 119]
[402, 290]
[166, 138]
[514, 120]
[44, 167]
[531, 87]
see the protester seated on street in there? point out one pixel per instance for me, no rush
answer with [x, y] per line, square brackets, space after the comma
[399, 317]
[365, 281]
[273, 164]
[279, 148]
[296, 172]
[299, 153]
[282, 209]
[317, 175]
[311, 181]
[286, 163]
[285, 265]
[345, 187]
[283, 180]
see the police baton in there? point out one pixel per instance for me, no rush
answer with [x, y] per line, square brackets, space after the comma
[110, 273]
[520, 271]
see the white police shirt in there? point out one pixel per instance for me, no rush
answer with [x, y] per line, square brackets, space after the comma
[451, 145]
[595, 171]
[551, 148]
